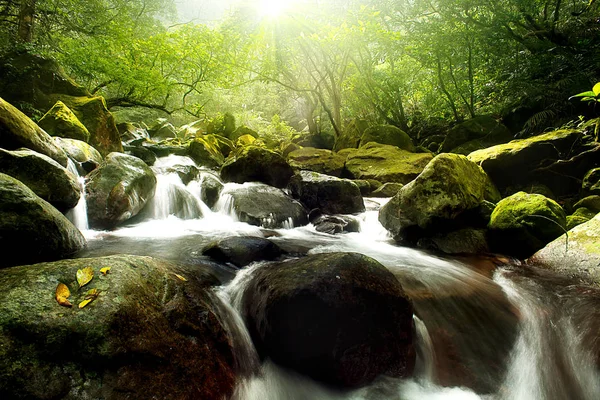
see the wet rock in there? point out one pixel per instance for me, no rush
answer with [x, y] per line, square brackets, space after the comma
[329, 194]
[387, 134]
[591, 182]
[165, 150]
[266, 206]
[580, 216]
[364, 185]
[186, 173]
[47, 178]
[146, 331]
[474, 134]
[243, 250]
[524, 223]
[162, 130]
[17, 130]
[317, 160]
[60, 121]
[592, 203]
[205, 151]
[84, 155]
[31, 230]
[242, 131]
[389, 189]
[118, 190]
[255, 164]
[211, 187]
[334, 224]
[385, 163]
[142, 153]
[463, 241]
[339, 318]
[441, 197]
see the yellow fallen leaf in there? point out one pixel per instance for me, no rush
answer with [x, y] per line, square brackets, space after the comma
[92, 294]
[62, 294]
[105, 270]
[85, 303]
[181, 277]
[84, 276]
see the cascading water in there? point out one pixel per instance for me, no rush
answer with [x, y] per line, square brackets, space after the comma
[78, 215]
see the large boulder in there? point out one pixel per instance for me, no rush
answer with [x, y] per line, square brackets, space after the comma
[591, 182]
[17, 130]
[242, 250]
[266, 206]
[329, 194]
[47, 178]
[340, 318]
[318, 160]
[441, 197]
[87, 157]
[385, 163]
[476, 133]
[118, 190]
[147, 330]
[387, 134]
[60, 121]
[162, 130]
[31, 230]
[255, 164]
[210, 188]
[524, 223]
[205, 151]
[240, 131]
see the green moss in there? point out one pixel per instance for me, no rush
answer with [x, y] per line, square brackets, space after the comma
[387, 134]
[317, 160]
[60, 121]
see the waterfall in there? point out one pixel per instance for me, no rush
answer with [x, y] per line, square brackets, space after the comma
[78, 215]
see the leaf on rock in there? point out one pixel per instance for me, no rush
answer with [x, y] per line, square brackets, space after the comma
[85, 303]
[62, 294]
[89, 297]
[181, 278]
[105, 270]
[84, 276]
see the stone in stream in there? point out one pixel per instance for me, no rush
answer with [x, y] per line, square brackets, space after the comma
[118, 190]
[242, 250]
[47, 178]
[31, 230]
[211, 187]
[154, 331]
[339, 318]
[255, 164]
[60, 121]
[85, 156]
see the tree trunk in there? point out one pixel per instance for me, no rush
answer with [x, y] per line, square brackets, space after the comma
[26, 21]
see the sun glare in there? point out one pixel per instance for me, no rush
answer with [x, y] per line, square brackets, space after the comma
[272, 8]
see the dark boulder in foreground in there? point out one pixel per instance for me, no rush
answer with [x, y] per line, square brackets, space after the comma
[31, 230]
[255, 164]
[148, 334]
[339, 318]
[242, 250]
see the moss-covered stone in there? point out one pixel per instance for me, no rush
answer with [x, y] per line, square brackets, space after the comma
[447, 188]
[317, 160]
[205, 151]
[118, 190]
[591, 182]
[481, 132]
[592, 203]
[162, 129]
[351, 134]
[245, 140]
[242, 130]
[31, 230]
[145, 332]
[385, 163]
[17, 130]
[60, 121]
[462, 241]
[78, 151]
[387, 134]
[524, 223]
[141, 152]
[47, 178]
[256, 164]
[389, 189]
[580, 216]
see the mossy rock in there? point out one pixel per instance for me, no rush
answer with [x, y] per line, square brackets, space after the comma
[242, 130]
[389, 189]
[78, 151]
[524, 223]
[142, 153]
[317, 160]
[31, 230]
[18, 130]
[256, 164]
[205, 151]
[384, 163]
[580, 216]
[462, 241]
[481, 131]
[222, 124]
[60, 121]
[351, 134]
[245, 140]
[162, 129]
[118, 190]
[591, 182]
[387, 134]
[439, 198]
[147, 330]
[47, 178]
[592, 203]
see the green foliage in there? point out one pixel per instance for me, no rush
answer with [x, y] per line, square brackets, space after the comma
[591, 95]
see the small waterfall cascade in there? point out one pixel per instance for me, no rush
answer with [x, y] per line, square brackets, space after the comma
[78, 215]
[226, 204]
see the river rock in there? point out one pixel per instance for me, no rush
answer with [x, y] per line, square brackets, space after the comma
[118, 190]
[205, 151]
[60, 121]
[47, 178]
[439, 198]
[385, 163]
[329, 194]
[242, 250]
[146, 331]
[141, 152]
[266, 206]
[17, 130]
[317, 160]
[255, 164]
[389, 189]
[31, 230]
[580, 216]
[387, 134]
[474, 134]
[524, 223]
[339, 318]
[592, 203]
[85, 156]
[211, 187]
[334, 224]
[591, 182]
[162, 130]
[240, 131]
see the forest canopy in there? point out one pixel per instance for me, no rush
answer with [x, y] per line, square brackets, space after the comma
[318, 65]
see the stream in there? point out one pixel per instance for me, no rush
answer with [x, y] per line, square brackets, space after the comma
[486, 328]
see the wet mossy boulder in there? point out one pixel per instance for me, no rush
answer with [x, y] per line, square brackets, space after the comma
[146, 331]
[206, 152]
[385, 163]
[592, 203]
[591, 182]
[31, 230]
[242, 250]
[85, 156]
[462, 241]
[318, 160]
[211, 187]
[524, 223]
[441, 197]
[222, 124]
[47, 178]
[389, 189]
[580, 216]
[339, 318]
[262, 205]
[118, 190]
[256, 164]
[141, 152]
[329, 194]
[242, 131]
[387, 134]
[18, 130]
[350, 135]
[60, 121]
[476, 133]
[162, 129]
